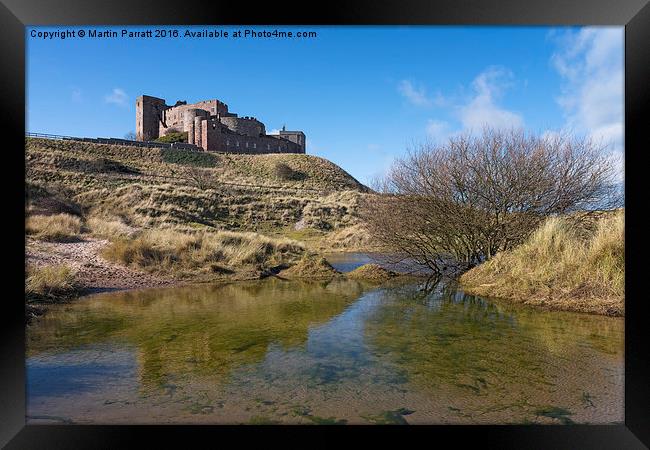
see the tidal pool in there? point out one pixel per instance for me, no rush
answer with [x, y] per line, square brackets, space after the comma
[338, 352]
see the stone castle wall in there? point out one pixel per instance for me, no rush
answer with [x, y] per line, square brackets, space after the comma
[175, 116]
[212, 127]
[248, 126]
[222, 139]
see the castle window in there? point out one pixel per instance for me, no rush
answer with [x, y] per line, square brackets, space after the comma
[254, 145]
[246, 144]
[268, 146]
[237, 144]
[228, 143]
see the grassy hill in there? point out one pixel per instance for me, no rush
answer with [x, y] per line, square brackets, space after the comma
[300, 196]
[117, 217]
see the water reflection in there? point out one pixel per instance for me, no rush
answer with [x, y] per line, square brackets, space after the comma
[321, 352]
[205, 330]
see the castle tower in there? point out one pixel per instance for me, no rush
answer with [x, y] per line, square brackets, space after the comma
[189, 123]
[297, 137]
[148, 112]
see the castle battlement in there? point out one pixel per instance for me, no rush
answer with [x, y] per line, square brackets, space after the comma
[210, 126]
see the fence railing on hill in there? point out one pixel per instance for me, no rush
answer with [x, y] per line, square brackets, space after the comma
[115, 141]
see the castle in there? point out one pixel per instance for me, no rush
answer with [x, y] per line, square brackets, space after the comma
[211, 127]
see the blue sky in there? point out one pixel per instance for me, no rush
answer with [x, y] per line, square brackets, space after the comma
[362, 95]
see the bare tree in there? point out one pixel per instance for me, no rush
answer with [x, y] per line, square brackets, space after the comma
[130, 136]
[472, 197]
[200, 177]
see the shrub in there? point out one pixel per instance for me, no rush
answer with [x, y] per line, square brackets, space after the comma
[173, 137]
[472, 197]
[199, 177]
[57, 228]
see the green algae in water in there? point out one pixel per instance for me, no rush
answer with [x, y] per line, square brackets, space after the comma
[301, 411]
[587, 400]
[389, 417]
[326, 420]
[263, 420]
[555, 412]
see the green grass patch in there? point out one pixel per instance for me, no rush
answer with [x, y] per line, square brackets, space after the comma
[189, 157]
[173, 137]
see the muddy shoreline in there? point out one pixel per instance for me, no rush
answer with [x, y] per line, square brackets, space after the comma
[95, 274]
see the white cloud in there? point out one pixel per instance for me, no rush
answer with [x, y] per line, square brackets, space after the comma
[117, 97]
[479, 108]
[438, 130]
[274, 131]
[590, 62]
[417, 95]
[482, 109]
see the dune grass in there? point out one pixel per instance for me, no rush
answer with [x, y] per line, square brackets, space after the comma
[50, 281]
[56, 228]
[310, 266]
[108, 227]
[371, 272]
[560, 267]
[172, 251]
[159, 188]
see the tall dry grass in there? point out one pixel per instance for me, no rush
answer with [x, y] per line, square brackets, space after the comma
[168, 250]
[57, 227]
[50, 281]
[108, 226]
[558, 266]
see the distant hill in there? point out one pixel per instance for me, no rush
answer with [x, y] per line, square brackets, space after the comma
[152, 187]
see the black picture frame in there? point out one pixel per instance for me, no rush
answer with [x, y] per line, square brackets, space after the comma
[633, 14]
